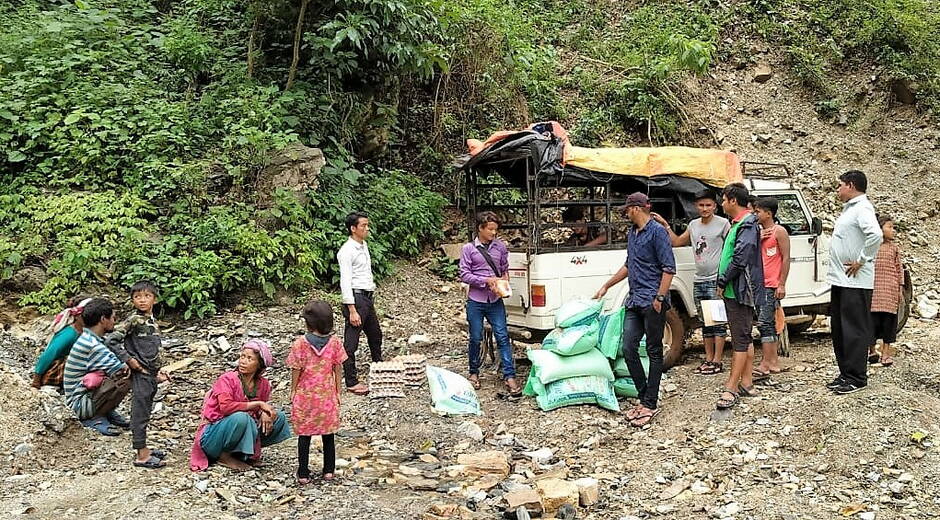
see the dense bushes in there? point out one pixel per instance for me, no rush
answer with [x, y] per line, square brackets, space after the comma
[113, 114]
[118, 116]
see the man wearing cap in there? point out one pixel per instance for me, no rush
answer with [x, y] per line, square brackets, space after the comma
[649, 269]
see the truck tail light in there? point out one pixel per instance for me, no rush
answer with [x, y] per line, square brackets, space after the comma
[538, 295]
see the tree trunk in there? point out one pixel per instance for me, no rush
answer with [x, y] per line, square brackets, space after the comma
[252, 41]
[298, 37]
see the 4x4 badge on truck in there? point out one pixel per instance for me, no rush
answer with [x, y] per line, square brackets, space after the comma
[579, 260]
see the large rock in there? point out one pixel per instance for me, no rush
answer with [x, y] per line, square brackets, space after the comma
[296, 168]
[763, 73]
[28, 279]
[527, 498]
[556, 492]
[904, 91]
[588, 490]
[484, 462]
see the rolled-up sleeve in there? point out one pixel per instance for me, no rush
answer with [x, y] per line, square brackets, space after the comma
[664, 254]
[344, 259]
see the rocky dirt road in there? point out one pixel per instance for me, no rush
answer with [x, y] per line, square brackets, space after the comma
[795, 452]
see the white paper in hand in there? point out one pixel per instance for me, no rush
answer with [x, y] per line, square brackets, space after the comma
[713, 312]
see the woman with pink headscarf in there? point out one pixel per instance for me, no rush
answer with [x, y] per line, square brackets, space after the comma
[64, 331]
[237, 419]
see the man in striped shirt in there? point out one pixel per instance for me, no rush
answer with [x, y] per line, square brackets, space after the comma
[95, 407]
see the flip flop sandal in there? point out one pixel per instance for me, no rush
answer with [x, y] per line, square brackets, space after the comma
[102, 426]
[118, 420]
[887, 363]
[644, 418]
[160, 454]
[632, 413]
[743, 391]
[727, 404]
[716, 368]
[357, 392]
[329, 476]
[151, 463]
[303, 481]
[475, 381]
[758, 375]
[703, 367]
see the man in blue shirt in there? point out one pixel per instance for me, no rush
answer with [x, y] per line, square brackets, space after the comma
[649, 269]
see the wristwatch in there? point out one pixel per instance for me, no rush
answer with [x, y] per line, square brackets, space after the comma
[660, 298]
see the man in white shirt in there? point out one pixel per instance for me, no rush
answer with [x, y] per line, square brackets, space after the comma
[358, 290]
[855, 242]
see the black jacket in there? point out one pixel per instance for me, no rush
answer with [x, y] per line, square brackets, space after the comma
[745, 273]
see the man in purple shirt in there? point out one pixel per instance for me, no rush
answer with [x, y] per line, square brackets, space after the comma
[483, 262]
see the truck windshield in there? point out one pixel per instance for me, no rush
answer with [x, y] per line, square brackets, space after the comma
[790, 214]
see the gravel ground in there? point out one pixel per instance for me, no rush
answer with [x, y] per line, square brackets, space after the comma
[794, 452]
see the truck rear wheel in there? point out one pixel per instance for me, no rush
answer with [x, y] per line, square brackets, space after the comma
[673, 339]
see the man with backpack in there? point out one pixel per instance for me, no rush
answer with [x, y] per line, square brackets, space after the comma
[484, 266]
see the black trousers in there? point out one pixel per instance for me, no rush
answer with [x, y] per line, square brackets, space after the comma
[636, 322]
[303, 455]
[365, 306]
[852, 332]
[144, 389]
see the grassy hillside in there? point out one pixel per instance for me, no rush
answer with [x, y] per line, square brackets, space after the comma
[118, 117]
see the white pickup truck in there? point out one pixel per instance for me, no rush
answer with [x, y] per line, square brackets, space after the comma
[548, 267]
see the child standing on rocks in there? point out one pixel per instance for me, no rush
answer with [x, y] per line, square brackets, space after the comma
[137, 342]
[316, 361]
[886, 298]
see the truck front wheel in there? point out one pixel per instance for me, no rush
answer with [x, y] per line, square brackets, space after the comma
[673, 339]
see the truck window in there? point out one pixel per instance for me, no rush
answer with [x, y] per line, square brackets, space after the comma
[790, 214]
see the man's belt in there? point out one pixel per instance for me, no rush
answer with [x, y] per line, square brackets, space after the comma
[363, 292]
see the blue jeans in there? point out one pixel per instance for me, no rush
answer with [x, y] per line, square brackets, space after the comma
[706, 291]
[236, 434]
[495, 314]
[638, 321]
[767, 317]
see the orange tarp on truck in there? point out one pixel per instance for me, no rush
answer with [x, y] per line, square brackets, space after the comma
[714, 167]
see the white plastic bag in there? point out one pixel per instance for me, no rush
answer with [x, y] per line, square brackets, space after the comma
[451, 393]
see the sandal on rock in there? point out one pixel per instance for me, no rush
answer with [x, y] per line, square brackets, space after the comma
[513, 387]
[644, 418]
[632, 413]
[303, 480]
[102, 426]
[727, 404]
[329, 476]
[359, 389]
[706, 365]
[475, 381]
[744, 391]
[887, 361]
[151, 463]
[714, 368]
[759, 375]
[160, 454]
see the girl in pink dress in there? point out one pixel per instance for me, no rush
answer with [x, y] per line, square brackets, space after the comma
[316, 360]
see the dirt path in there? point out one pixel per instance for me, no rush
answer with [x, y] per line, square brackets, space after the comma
[795, 452]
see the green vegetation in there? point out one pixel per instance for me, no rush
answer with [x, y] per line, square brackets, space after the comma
[823, 39]
[119, 117]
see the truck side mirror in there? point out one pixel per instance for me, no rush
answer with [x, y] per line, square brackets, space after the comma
[817, 226]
